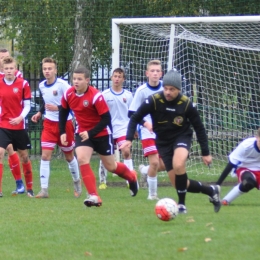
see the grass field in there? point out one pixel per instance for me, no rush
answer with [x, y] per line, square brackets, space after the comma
[125, 227]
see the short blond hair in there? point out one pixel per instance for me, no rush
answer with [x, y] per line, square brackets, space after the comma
[153, 62]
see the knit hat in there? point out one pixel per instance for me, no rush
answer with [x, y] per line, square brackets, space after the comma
[172, 78]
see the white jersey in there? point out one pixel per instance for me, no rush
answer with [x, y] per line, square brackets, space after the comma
[246, 155]
[52, 94]
[118, 104]
[143, 92]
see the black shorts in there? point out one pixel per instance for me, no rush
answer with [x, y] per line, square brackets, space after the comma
[18, 138]
[167, 151]
[103, 145]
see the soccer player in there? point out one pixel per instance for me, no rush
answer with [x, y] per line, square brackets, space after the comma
[118, 101]
[93, 132]
[172, 117]
[245, 163]
[52, 90]
[15, 95]
[13, 158]
[153, 85]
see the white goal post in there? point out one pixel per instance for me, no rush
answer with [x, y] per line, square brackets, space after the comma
[219, 59]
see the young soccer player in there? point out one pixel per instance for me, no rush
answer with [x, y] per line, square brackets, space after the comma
[118, 101]
[52, 90]
[93, 132]
[15, 95]
[13, 158]
[245, 163]
[172, 116]
[153, 85]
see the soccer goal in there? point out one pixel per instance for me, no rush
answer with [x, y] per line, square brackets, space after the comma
[219, 59]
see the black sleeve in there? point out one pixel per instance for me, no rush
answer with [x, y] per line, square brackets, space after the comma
[145, 109]
[199, 129]
[105, 121]
[42, 108]
[130, 113]
[225, 173]
[63, 115]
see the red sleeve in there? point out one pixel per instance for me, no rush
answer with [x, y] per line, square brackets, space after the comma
[100, 104]
[26, 91]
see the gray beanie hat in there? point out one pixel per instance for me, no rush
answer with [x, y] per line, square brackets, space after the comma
[172, 78]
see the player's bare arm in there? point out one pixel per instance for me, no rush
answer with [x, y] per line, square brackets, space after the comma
[126, 144]
[207, 160]
[36, 117]
[149, 126]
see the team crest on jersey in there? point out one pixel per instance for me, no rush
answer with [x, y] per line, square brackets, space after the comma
[15, 90]
[55, 93]
[178, 120]
[157, 95]
[85, 103]
[124, 100]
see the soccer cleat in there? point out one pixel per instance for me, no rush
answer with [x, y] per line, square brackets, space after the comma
[77, 188]
[102, 186]
[143, 178]
[133, 185]
[215, 198]
[182, 209]
[224, 202]
[30, 193]
[153, 197]
[19, 188]
[93, 200]
[42, 194]
[1, 194]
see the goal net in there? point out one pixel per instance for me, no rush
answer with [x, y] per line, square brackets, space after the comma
[219, 59]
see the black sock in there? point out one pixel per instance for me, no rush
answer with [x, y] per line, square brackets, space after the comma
[181, 187]
[197, 187]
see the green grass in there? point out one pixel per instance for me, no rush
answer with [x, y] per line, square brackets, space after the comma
[125, 227]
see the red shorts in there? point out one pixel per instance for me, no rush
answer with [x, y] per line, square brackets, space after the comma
[149, 147]
[51, 136]
[256, 174]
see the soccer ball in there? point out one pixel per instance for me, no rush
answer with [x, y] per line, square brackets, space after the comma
[166, 209]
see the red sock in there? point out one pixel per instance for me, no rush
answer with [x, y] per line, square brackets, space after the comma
[14, 164]
[89, 179]
[28, 176]
[1, 176]
[123, 171]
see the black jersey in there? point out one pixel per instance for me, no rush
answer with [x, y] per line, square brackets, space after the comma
[170, 119]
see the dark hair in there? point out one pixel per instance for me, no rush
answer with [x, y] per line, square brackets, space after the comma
[120, 71]
[82, 70]
[3, 50]
[8, 60]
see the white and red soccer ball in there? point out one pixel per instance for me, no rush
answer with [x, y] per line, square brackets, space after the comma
[166, 209]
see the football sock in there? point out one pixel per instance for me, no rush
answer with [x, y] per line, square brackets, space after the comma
[129, 164]
[44, 174]
[181, 184]
[102, 173]
[14, 164]
[197, 187]
[233, 194]
[124, 172]
[28, 175]
[74, 169]
[89, 179]
[152, 185]
[1, 176]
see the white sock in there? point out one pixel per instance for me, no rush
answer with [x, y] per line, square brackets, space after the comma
[74, 169]
[145, 169]
[152, 185]
[102, 173]
[44, 174]
[233, 194]
[129, 164]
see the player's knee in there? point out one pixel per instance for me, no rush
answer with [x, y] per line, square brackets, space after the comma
[248, 182]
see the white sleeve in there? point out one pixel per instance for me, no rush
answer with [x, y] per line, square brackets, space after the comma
[26, 108]
[238, 155]
[136, 102]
